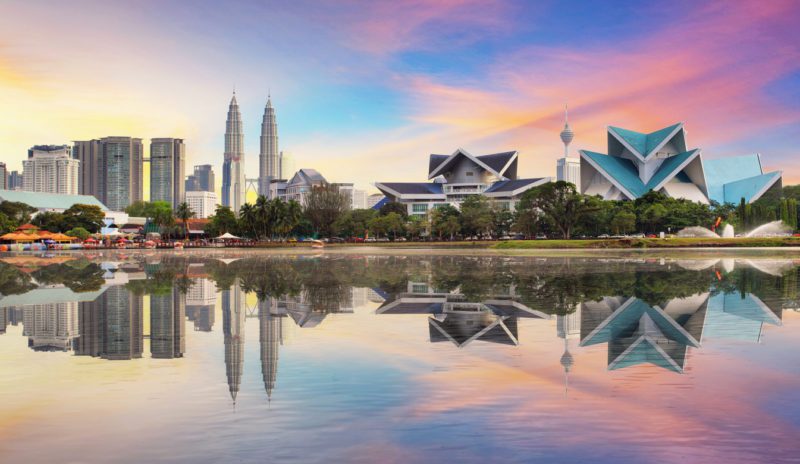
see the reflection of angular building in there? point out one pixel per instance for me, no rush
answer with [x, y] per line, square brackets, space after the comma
[51, 327]
[233, 314]
[637, 332]
[459, 321]
[270, 331]
[167, 326]
[637, 163]
[200, 302]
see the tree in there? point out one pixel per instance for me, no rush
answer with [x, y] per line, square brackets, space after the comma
[89, 217]
[560, 204]
[476, 215]
[394, 207]
[445, 220]
[184, 213]
[223, 220]
[623, 222]
[417, 225]
[502, 220]
[449, 226]
[324, 205]
[49, 220]
[17, 212]
[78, 232]
[393, 223]
[355, 223]
[653, 215]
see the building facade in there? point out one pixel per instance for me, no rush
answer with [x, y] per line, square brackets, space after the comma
[14, 181]
[660, 161]
[3, 176]
[202, 179]
[301, 184]
[122, 164]
[167, 170]
[233, 178]
[268, 160]
[51, 170]
[460, 175]
[91, 177]
[202, 203]
[374, 199]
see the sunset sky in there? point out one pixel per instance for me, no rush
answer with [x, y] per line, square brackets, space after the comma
[364, 91]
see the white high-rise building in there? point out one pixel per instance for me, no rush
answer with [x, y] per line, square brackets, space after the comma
[167, 170]
[568, 169]
[51, 171]
[268, 162]
[359, 199]
[203, 204]
[286, 165]
[233, 179]
[51, 326]
[374, 199]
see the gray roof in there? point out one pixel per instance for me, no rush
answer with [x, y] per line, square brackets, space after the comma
[411, 188]
[511, 185]
[40, 200]
[497, 161]
[307, 176]
[435, 161]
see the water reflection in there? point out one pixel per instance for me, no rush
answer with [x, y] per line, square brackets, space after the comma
[645, 311]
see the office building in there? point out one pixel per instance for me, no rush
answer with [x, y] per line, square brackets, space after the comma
[167, 325]
[201, 299]
[167, 171]
[359, 199]
[286, 162]
[202, 203]
[201, 180]
[14, 181]
[374, 199]
[51, 326]
[268, 161]
[91, 177]
[50, 170]
[122, 159]
[3, 176]
[233, 179]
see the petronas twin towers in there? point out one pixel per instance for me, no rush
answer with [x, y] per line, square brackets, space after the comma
[234, 182]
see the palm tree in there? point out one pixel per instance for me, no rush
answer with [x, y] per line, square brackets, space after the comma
[294, 212]
[247, 219]
[184, 213]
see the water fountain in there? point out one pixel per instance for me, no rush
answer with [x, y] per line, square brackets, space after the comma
[696, 232]
[770, 229]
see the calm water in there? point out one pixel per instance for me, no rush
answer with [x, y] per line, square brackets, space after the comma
[382, 358]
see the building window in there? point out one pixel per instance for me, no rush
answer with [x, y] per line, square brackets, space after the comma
[469, 173]
[419, 208]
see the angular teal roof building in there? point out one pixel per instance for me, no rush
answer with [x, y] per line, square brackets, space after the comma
[637, 163]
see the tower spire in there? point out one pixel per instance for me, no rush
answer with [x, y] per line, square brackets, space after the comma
[566, 135]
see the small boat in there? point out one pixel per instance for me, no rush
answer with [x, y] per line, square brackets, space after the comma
[317, 244]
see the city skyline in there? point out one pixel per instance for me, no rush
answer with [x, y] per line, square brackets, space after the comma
[388, 84]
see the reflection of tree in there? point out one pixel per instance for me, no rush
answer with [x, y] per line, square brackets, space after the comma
[13, 281]
[78, 276]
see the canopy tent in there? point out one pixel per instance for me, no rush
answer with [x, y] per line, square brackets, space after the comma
[228, 236]
[20, 237]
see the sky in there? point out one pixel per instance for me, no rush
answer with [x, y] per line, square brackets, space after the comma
[365, 91]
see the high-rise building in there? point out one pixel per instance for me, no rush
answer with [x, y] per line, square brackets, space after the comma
[201, 180]
[122, 324]
[51, 170]
[285, 165]
[233, 314]
[14, 181]
[202, 203]
[201, 298]
[51, 326]
[268, 162]
[122, 163]
[167, 326]
[3, 176]
[167, 171]
[359, 199]
[270, 337]
[233, 180]
[91, 178]
[568, 169]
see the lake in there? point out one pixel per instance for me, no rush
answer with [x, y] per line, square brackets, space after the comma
[422, 357]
